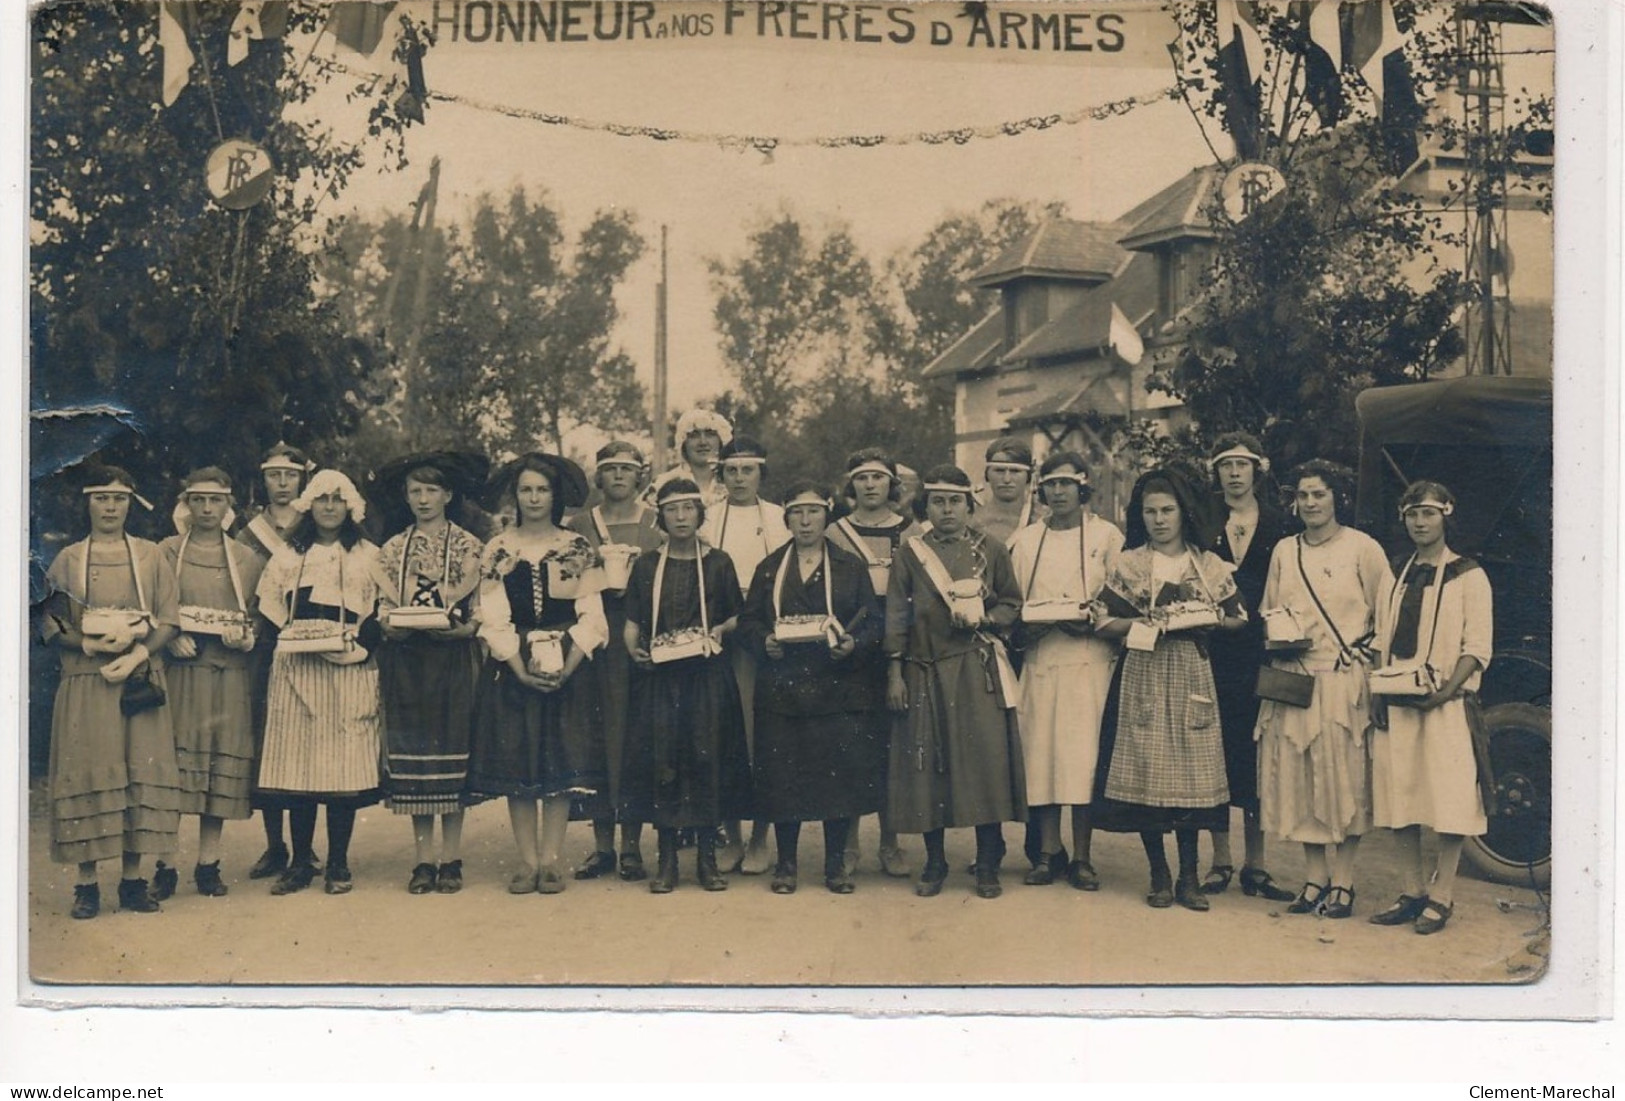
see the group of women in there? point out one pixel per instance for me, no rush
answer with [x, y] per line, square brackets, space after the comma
[685, 654]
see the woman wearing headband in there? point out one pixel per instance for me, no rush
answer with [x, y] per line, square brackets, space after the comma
[955, 757]
[810, 618]
[283, 470]
[1161, 761]
[322, 732]
[1313, 762]
[685, 764]
[429, 661]
[1252, 526]
[211, 670]
[1061, 564]
[1008, 505]
[537, 736]
[114, 783]
[873, 530]
[1439, 615]
[700, 436]
[620, 524]
[747, 529]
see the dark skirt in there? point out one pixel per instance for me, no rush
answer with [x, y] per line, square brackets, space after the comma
[685, 763]
[533, 744]
[812, 767]
[427, 686]
[1117, 816]
[1235, 674]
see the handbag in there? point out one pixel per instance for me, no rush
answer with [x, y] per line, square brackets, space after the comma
[139, 693]
[1285, 686]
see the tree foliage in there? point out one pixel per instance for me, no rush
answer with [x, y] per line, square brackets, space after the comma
[516, 343]
[201, 322]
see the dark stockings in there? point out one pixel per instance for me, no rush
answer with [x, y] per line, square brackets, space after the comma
[340, 825]
[302, 825]
[1157, 856]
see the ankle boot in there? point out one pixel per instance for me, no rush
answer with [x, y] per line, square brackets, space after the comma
[207, 878]
[706, 865]
[134, 896]
[665, 878]
[87, 901]
[164, 881]
[836, 876]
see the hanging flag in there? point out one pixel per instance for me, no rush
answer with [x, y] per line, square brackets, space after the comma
[409, 104]
[1124, 338]
[1375, 47]
[1241, 64]
[1321, 42]
[359, 24]
[256, 20]
[176, 20]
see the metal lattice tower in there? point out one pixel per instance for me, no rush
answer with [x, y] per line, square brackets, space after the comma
[1482, 87]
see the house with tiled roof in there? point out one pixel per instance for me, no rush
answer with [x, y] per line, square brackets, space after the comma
[1086, 312]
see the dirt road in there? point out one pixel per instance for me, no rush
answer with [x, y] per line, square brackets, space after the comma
[606, 932]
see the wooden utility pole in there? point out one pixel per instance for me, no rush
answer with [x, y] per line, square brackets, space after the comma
[420, 293]
[659, 429]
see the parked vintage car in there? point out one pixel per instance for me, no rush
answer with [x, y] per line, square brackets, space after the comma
[1490, 440]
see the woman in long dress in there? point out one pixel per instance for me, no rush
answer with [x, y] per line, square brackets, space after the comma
[1161, 761]
[1253, 524]
[747, 529]
[210, 668]
[283, 472]
[873, 530]
[1439, 614]
[1067, 671]
[426, 674]
[1313, 775]
[685, 764]
[323, 733]
[819, 754]
[114, 784]
[626, 526]
[536, 727]
[955, 757]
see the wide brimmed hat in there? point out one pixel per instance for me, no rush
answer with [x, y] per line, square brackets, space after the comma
[466, 472]
[569, 480]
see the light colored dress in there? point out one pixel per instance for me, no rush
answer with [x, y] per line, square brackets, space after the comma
[114, 785]
[1064, 677]
[323, 729]
[1313, 780]
[1422, 766]
[211, 696]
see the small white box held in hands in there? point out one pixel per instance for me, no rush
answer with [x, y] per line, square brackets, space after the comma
[314, 637]
[1184, 615]
[1284, 631]
[1404, 680]
[198, 620]
[1057, 611]
[965, 599]
[544, 653]
[101, 622]
[807, 628]
[617, 564]
[690, 642]
[418, 619]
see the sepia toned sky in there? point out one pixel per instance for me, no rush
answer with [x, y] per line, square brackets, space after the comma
[708, 195]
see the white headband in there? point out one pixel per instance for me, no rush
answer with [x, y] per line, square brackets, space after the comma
[209, 486]
[1445, 507]
[745, 460]
[945, 487]
[1081, 479]
[284, 462]
[324, 482]
[871, 466]
[182, 515]
[673, 498]
[633, 463]
[1239, 451]
[808, 497]
[119, 487]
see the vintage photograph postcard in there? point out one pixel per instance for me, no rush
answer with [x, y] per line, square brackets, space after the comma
[542, 494]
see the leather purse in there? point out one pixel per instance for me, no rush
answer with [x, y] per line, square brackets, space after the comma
[139, 693]
[1285, 686]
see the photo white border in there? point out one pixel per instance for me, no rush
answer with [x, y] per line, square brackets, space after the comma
[38, 1042]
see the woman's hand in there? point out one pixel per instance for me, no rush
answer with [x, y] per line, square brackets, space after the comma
[964, 622]
[1379, 712]
[350, 655]
[640, 657]
[115, 641]
[896, 690]
[1434, 699]
[542, 682]
[844, 646]
[184, 647]
[774, 648]
[236, 638]
[119, 669]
